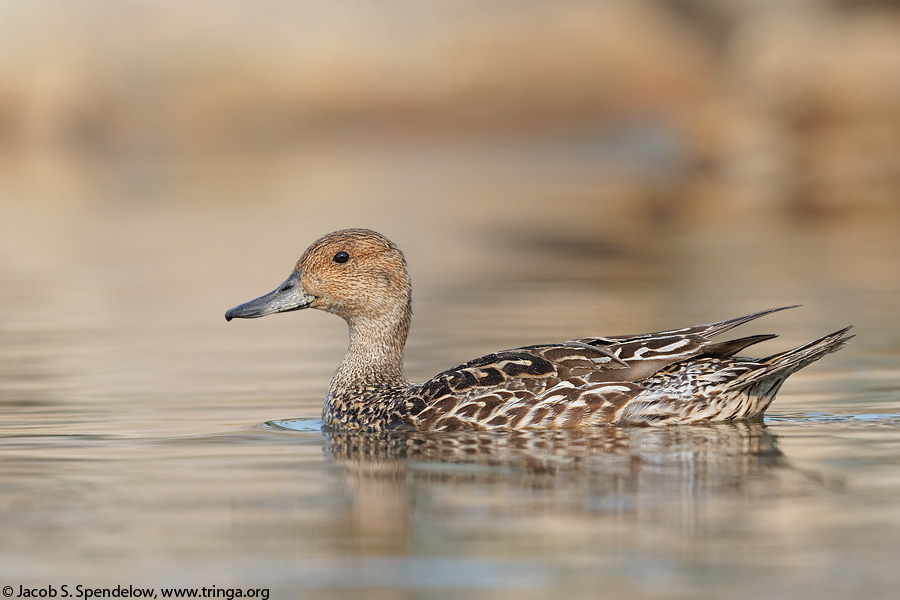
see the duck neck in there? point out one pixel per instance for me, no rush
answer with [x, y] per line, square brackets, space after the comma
[375, 354]
[370, 377]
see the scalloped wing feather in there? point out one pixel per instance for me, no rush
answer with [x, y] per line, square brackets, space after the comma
[551, 385]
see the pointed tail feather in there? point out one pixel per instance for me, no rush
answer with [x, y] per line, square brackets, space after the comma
[808, 353]
[779, 366]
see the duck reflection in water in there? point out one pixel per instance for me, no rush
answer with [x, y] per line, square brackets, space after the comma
[670, 476]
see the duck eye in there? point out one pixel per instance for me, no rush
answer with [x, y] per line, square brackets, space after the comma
[341, 257]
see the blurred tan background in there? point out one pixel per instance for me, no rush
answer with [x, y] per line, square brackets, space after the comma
[790, 106]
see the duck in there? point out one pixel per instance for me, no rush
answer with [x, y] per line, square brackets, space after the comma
[675, 377]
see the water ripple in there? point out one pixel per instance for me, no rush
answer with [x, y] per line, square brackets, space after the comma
[821, 417]
[306, 425]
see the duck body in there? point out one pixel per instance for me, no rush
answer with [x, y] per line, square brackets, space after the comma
[670, 377]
